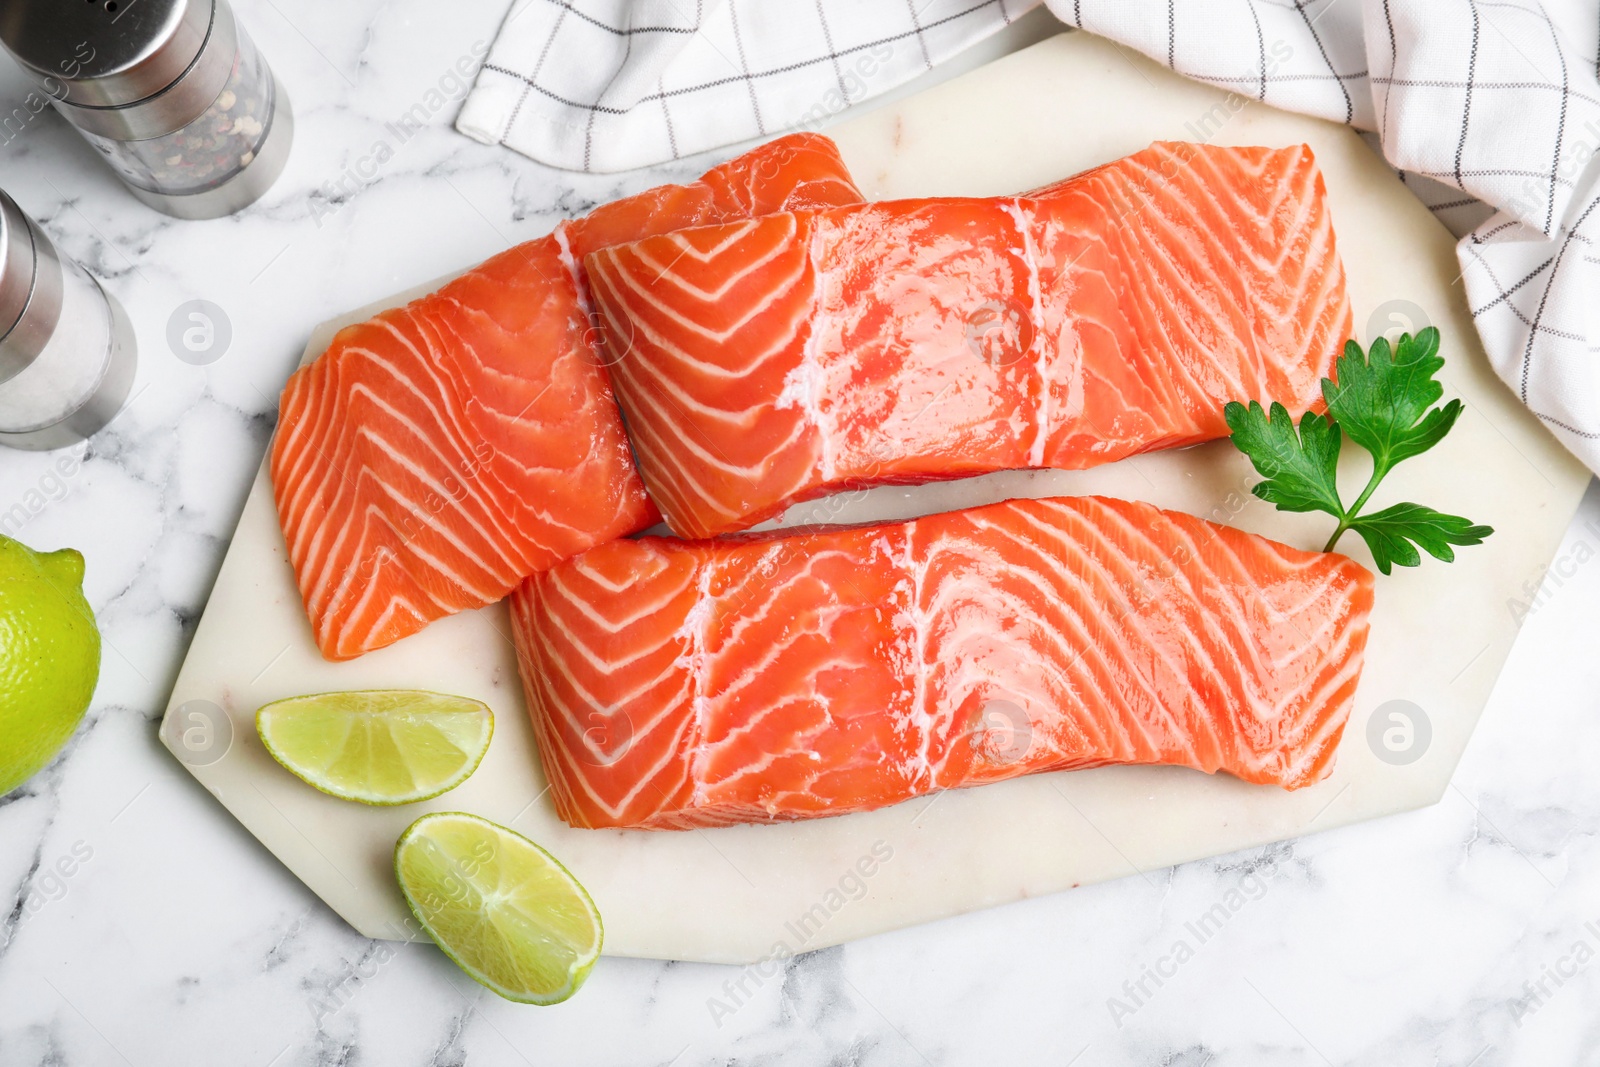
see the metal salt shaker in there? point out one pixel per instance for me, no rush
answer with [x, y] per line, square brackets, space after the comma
[67, 352]
[172, 92]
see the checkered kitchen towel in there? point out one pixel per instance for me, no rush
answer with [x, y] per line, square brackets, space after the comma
[1489, 109]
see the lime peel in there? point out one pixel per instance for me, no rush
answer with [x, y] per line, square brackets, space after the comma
[506, 911]
[49, 656]
[378, 746]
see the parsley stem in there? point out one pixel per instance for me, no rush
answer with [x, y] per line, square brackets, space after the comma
[1379, 470]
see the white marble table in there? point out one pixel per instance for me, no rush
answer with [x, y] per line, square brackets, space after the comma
[140, 924]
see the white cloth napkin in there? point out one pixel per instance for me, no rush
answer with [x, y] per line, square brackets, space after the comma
[1489, 109]
[605, 85]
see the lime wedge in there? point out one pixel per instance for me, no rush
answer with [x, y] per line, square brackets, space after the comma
[499, 905]
[386, 746]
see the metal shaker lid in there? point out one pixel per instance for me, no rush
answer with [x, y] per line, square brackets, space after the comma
[124, 69]
[16, 264]
[105, 53]
[30, 289]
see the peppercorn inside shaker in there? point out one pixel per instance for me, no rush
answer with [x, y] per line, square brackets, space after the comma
[172, 92]
[67, 352]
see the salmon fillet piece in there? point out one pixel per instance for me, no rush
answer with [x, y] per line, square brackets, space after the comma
[438, 453]
[764, 362]
[678, 684]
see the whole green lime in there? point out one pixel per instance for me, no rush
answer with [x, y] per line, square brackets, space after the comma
[49, 656]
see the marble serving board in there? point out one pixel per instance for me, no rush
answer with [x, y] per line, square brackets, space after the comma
[1439, 633]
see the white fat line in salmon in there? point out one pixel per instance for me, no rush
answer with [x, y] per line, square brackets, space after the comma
[439, 453]
[1115, 312]
[805, 674]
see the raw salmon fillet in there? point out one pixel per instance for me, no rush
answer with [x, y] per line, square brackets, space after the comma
[438, 453]
[766, 361]
[679, 684]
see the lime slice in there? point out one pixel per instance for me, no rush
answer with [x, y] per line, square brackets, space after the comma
[499, 905]
[385, 746]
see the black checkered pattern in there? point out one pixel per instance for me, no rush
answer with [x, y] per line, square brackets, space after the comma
[604, 85]
[1488, 109]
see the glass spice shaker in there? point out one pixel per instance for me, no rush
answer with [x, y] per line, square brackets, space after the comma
[67, 351]
[172, 92]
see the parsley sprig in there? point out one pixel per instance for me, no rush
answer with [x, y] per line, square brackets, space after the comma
[1383, 401]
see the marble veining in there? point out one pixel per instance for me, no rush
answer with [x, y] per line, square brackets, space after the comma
[140, 924]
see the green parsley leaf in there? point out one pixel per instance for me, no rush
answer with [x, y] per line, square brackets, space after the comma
[1300, 468]
[1395, 533]
[1381, 400]
[1384, 401]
